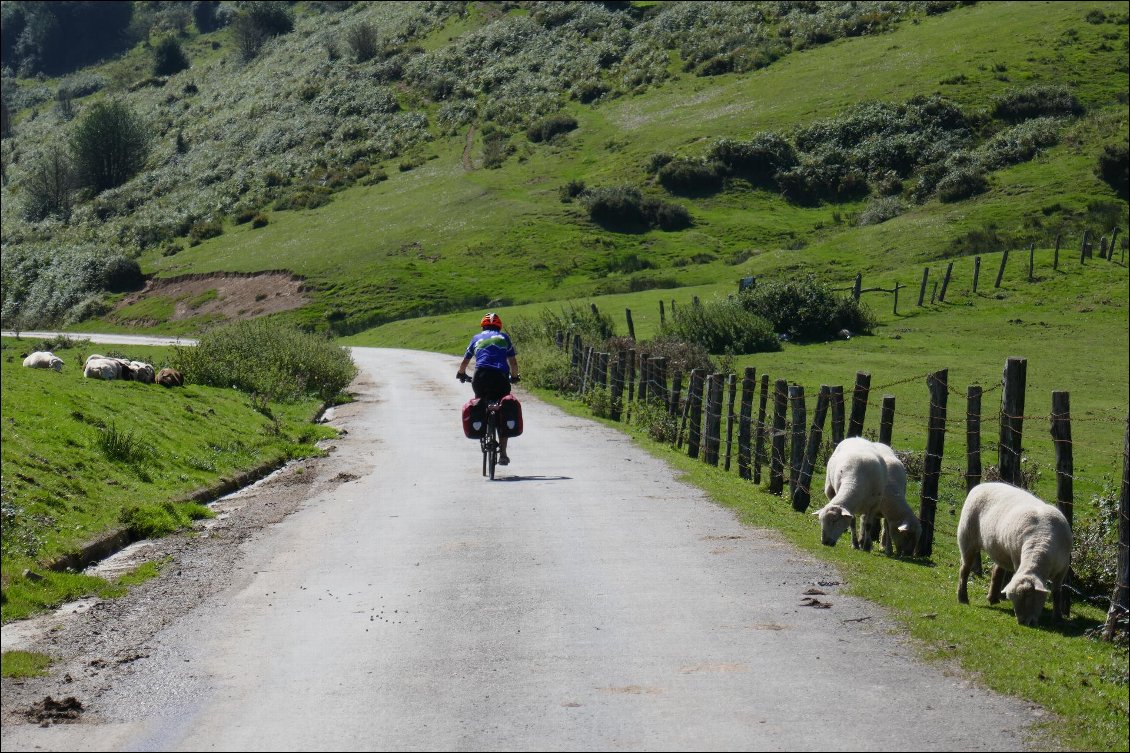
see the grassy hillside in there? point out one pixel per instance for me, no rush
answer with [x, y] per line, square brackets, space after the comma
[436, 236]
[81, 457]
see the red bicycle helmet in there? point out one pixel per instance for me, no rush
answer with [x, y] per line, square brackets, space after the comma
[491, 320]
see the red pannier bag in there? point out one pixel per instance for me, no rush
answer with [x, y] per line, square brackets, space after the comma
[511, 417]
[475, 418]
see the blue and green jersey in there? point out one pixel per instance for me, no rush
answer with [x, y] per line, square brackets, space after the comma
[490, 350]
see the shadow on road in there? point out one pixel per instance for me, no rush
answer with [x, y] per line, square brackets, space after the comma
[533, 478]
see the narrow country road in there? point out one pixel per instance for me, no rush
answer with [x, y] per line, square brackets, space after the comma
[586, 600]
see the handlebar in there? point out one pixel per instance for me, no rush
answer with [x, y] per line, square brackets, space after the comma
[462, 377]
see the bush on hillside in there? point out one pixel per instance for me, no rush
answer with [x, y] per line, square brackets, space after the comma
[362, 40]
[691, 177]
[624, 208]
[204, 15]
[682, 355]
[571, 190]
[591, 326]
[962, 183]
[1034, 102]
[1114, 168]
[1018, 144]
[881, 209]
[268, 359]
[757, 160]
[168, 57]
[110, 145]
[546, 128]
[722, 327]
[806, 309]
[49, 186]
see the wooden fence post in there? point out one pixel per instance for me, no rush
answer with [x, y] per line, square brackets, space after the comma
[759, 445]
[972, 437]
[1055, 262]
[777, 457]
[1110, 248]
[932, 464]
[934, 292]
[887, 420]
[749, 385]
[618, 370]
[859, 403]
[857, 289]
[1000, 272]
[559, 339]
[676, 393]
[1064, 471]
[837, 415]
[922, 290]
[796, 443]
[1120, 601]
[1012, 419]
[976, 271]
[732, 385]
[1083, 248]
[803, 495]
[713, 418]
[897, 286]
[946, 282]
[1032, 262]
[631, 325]
[645, 377]
[694, 398]
[662, 314]
[1102, 247]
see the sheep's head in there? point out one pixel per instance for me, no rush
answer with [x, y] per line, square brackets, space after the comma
[905, 536]
[1027, 594]
[834, 520]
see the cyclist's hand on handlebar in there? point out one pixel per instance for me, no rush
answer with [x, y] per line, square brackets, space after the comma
[462, 377]
[515, 378]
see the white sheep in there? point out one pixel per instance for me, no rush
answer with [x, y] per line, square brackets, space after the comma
[44, 360]
[1022, 534]
[866, 480]
[100, 367]
[141, 372]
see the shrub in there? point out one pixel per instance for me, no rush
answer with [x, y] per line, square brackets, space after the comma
[1114, 168]
[204, 15]
[120, 445]
[654, 419]
[962, 183]
[757, 160]
[591, 326]
[362, 41]
[306, 197]
[722, 327]
[264, 358]
[49, 186]
[624, 208]
[546, 128]
[244, 215]
[656, 161]
[1034, 102]
[880, 210]
[691, 176]
[1018, 144]
[496, 149]
[806, 309]
[203, 230]
[110, 145]
[259, 220]
[168, 57]
[1094, 556]
[571, 190]
[682, 355]
[545, 365]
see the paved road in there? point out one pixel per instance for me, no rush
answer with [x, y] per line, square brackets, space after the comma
[586, 600]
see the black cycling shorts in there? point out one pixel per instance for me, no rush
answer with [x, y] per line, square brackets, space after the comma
[490, 384]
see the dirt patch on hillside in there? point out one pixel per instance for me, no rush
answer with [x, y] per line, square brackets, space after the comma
[230, 295]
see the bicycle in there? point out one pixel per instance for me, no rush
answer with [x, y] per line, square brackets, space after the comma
[489, 440]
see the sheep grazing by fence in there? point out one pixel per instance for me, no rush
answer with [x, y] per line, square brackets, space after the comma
[1021, 534]
[170, 378]
[44, 360]
[865, 480]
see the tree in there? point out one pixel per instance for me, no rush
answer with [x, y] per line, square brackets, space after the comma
[168, 57]
[110, 145]
[362, 39]
[49, 187]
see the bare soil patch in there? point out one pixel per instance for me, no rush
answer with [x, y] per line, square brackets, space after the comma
[231, 295]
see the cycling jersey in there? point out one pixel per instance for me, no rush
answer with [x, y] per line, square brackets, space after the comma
[490, 350]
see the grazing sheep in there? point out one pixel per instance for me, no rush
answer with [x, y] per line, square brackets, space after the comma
[170, 378]
[1020, 533]
[100, 367]
[44, 360]
[866, 480]
[141, 372]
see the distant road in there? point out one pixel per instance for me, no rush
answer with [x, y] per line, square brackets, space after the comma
[109, 339]
[586, 600]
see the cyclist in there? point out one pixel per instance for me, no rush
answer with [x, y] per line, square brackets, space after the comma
[496, 367]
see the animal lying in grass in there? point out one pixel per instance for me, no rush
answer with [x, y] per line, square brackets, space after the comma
[170, 378]
[141, 372]
[101, 367]
[44, 360]
[1021, 534]
[866, 480]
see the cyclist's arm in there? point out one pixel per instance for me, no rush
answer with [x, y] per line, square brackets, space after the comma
[513, 362]
[463, 366]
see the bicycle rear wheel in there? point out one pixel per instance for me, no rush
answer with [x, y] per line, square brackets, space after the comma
[492, 430]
